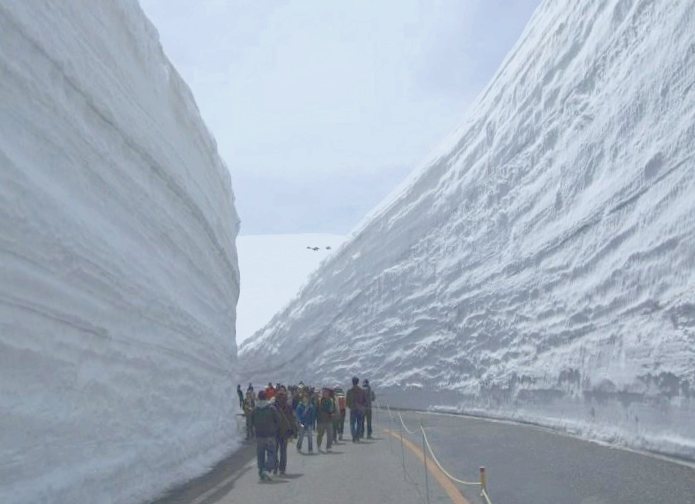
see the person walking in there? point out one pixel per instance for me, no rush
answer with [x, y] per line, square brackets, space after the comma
[369, 393]
[357, 402]
[270, 391]
[341, 405]
[266, 421]
[325, 420]
[336, 416]
[288, 427]
[296, 397]
[306, 414]
[248, 406]
[241, 396]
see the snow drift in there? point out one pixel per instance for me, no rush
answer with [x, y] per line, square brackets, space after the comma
[542, 266]
[117, 261]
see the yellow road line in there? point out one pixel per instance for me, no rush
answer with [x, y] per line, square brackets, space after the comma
[447, 485]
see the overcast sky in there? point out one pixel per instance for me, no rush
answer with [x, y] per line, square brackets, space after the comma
[321, 107]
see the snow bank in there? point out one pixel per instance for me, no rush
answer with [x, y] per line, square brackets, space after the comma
[542, 266]
[117, 262]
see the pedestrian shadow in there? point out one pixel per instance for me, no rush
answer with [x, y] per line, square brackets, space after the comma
[274, 481]
[305, 454]
[332, 453]
[220, 480]
[291, 476]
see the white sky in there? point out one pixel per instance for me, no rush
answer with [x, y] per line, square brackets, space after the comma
[273, 269]
[321, 107]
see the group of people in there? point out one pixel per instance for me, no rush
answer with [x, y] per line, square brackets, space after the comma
[278, 414]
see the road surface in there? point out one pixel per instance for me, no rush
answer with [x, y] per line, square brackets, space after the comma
[525, 465]
[369, 472]
[532, 465]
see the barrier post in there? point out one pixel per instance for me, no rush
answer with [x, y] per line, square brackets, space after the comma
[424, 452]
[390, 429]
[402, 453]
[483, 480]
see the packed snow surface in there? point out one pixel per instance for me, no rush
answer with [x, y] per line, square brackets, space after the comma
[117, 262]
[273, 270]
[542, 266]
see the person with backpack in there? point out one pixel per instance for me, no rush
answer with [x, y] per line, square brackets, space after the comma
[357, 402]
[306, 414]
[340, 405]
[369, 393]
[266, 421]
[288, 427]
[325, 420]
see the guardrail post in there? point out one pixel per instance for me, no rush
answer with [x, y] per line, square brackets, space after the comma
[424, 452]
[483, 480]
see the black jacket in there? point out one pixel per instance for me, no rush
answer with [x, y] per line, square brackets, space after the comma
[266, 420]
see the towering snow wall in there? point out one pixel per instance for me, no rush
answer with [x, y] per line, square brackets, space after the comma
[542, 267]
[118, 268]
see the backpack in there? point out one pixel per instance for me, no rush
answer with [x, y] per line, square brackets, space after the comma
[285, 425]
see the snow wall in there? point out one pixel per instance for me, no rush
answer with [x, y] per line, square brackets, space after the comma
[118, 268]
[542, 266]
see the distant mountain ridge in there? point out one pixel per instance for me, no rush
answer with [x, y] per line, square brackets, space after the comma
[542, 266]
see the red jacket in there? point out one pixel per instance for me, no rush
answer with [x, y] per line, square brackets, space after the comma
[357, 398]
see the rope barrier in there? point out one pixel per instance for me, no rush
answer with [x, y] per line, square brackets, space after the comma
[390, 425]
[426, 443]
[434, 457]
[427, 479]
[405, 426]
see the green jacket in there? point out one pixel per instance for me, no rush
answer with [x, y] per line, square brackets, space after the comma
[326, 410]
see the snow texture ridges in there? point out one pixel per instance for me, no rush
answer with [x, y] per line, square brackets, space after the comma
[117, 262]
[542, 266]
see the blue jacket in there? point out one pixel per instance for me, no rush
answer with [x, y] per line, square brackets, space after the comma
[306, 414]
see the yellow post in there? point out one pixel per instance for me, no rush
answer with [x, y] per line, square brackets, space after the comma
[483, 479]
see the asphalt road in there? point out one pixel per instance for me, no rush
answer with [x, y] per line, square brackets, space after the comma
[531, 465]
[370, 472]
[525, 465]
